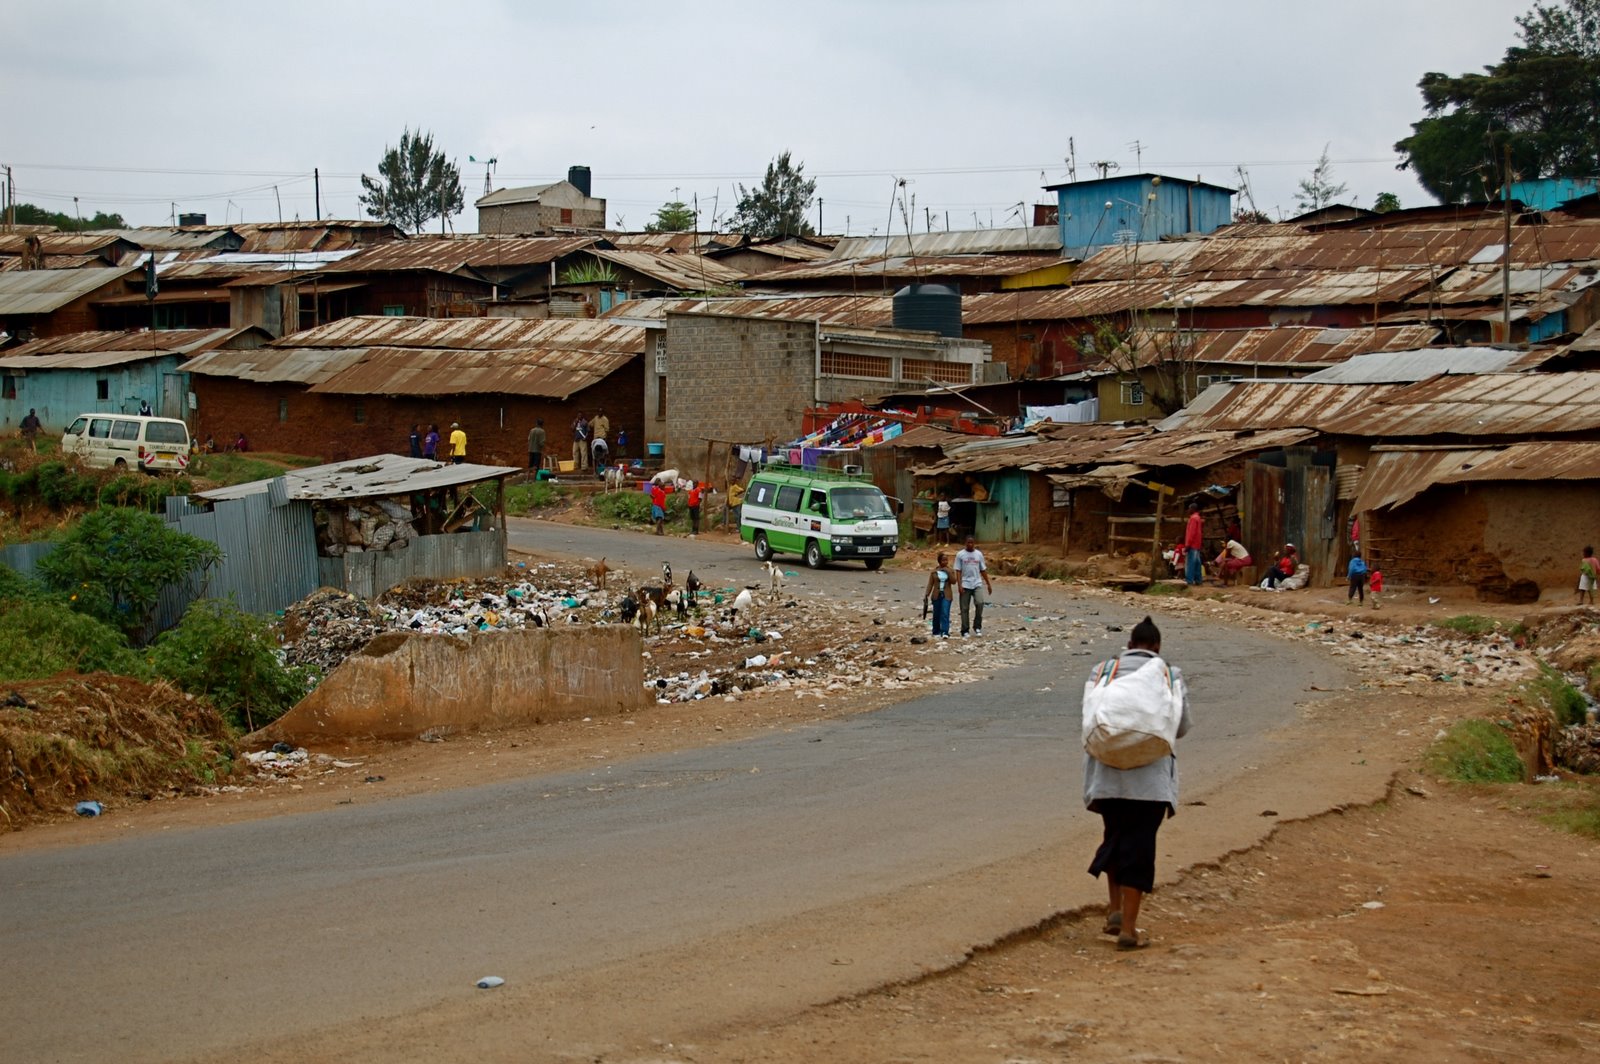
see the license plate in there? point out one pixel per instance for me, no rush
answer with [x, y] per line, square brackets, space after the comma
[166, 456]
[866, 550]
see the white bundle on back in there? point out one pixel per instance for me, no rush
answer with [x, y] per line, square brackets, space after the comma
[1130, 718]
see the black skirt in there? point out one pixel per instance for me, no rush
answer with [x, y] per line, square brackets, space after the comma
[1128, 851]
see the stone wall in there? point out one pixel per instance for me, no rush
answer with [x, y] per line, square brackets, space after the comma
[403, 684]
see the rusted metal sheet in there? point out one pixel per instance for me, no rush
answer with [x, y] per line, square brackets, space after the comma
[546, 372]
[42, 291]
[828, 309]
[365, 478]
[1399, 474]
[1290, 346]
[53, 262]
[1396, 367]
[95, 350]
[58, 243]
[1487, 404]
[449, 254]
[900, 266]
[1132, 446]
[1253, 404]
[1045, 239]
[1262, 516]
[688, 272]
[478, 334]
[268, 365]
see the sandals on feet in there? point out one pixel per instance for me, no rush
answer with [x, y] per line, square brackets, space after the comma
[1134, 941]
[1113, 925]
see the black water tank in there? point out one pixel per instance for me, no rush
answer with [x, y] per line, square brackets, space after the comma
[930, 308]
[191, 219]
[578, 176]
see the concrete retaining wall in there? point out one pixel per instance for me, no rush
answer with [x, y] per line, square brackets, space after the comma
[403, 684]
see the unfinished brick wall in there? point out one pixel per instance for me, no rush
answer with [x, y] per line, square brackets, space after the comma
[736, 379]
[326, 425]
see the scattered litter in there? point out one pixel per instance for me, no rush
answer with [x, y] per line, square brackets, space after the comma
[489, 982]
[373, 779]
[88, 809]
[1372, 905]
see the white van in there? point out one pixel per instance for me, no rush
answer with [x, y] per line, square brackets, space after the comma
[126, 441]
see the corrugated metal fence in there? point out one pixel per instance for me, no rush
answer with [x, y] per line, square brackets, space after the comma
[443, 557]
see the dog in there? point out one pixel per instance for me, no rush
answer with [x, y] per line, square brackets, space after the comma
[775, 576]
[599, 570]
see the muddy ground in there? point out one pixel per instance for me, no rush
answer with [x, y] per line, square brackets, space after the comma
[1448, 923]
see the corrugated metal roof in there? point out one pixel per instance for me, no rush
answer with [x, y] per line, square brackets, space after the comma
[678, 242]
[92, 350]
[449, 254]
[365, 478]
[1393, 367]
[1288, 346]
[870, 310]
[269, 365]
[58, 243]
[1489, 404]
[1272, 404]
[42, 291]
[926, 266]
[552, 373]
[1035, 238]
[1141, 446]
[475, 334]
[53, 262]
[1479, 284]
[688, 272]
[1397, 475]
[164, 238]
[920, 436]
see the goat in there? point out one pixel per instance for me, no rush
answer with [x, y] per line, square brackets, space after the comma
[628, 608]
[775, 576]
[615, 476]
[647, 615]
[693, 586]
[599, 570]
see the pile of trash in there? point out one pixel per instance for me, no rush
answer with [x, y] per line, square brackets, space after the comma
[372, 524]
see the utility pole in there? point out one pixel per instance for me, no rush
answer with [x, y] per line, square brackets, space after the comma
[316, 185]
[1505, 264]
[11, 201]
[819, 215]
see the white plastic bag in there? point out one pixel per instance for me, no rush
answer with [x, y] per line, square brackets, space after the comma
[1130, 719]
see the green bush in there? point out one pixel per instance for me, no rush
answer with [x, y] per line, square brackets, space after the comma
[114, 562]
[230, 657]
[1468, 624]
[534, 495]
[43, 636]
[631, 507]
[59, 486]
[1476, 751]
[1551, 689]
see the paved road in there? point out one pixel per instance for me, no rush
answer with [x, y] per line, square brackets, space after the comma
[194, 942]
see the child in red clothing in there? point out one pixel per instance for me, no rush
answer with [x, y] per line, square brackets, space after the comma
[1588, 575]
[1375, 585]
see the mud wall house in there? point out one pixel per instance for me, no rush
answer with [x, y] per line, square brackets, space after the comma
[543, 210]
[40, 303]
[734, 380]
[107, 372]
[356, 386]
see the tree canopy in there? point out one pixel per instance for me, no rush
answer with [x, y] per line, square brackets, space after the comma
[415, 184]
[1539, 106]
[673, 217]
[28, 214]
[1319, 190]
[778, 206]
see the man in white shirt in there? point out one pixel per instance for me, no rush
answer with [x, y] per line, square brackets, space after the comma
[974, 583]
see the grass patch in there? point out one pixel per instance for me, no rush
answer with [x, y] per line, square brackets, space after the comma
[1572, 806]
[1475, 751]
[233, 468]
[1469, 624]
[1551, 690]
[633, 507]
[1167, 587]
[534, 495]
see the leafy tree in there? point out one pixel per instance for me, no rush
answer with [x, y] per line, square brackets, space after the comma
[115, 561]
[1318, 190]
[223, 653]
[673, 217]
[1539, 106]
[1248, 214]
[778, 206]
[414, 184]
[1386, 202]
[28, 214]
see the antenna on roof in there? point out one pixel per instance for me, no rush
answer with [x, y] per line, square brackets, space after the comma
[1138, 155]
[1105, 166]
[1072, 159]
[488, 169]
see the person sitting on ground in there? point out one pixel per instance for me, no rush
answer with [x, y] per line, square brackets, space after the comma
[1233, 558]
[1288, 560]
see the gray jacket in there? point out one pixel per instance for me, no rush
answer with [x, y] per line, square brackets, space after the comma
[1155, 782]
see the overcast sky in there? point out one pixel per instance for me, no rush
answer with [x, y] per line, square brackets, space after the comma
[135, 107]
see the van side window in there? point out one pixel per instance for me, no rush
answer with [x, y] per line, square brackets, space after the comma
[788, 497]
[819, 502]
[78, 425]
[761, 493]
[125, 430]
[100, 428]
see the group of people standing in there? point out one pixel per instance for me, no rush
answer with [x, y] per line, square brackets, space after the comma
[424, 443]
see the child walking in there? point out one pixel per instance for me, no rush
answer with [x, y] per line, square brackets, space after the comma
[940, 590]
[1358, 580]
[1375, 585]
[1588, 574]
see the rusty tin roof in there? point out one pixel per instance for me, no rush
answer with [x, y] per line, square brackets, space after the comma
[1397, 475]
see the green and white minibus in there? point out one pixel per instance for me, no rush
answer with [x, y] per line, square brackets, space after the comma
[820, 515]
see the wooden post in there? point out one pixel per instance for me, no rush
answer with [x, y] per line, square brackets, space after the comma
[1155, 537]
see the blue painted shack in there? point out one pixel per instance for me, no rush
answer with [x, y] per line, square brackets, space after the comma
[64, 376]
[1134, 208]
[1549, 193]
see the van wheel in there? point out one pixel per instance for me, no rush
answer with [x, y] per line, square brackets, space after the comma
[874, 564]
[813, 555]
[121, 464]
[763, 549]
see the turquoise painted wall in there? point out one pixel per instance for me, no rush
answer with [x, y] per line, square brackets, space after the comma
[59, 395]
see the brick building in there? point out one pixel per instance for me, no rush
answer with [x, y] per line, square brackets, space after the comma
[38, 303]
[356, 386]
[543, 210]
[720, 379]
